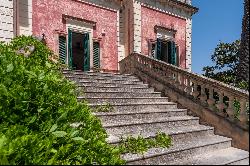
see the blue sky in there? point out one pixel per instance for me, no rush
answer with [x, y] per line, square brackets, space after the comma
[217, 20]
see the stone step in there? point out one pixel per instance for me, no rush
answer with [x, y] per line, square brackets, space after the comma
[120, 94]
[108, 75]
[130, 115]
[241, 162]
[218, 157]
[144, 125]
[182, 150]
[150, 106]
[138, 110]
[177, 134]
[106, 84]
[109, 81]
[117, 89]
[100, 85]
[65, 71]
[85, 76]
[102, 80]
[97, 100]
[104, 74]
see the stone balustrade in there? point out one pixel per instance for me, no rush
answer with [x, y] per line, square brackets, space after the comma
[217, 96]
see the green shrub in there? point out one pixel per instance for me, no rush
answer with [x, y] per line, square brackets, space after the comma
[38, 109]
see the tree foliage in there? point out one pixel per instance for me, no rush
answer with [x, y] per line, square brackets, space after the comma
[243, 67]
[226, 59]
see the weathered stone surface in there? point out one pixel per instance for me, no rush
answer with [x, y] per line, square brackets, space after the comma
[161, 81]
[133, 114]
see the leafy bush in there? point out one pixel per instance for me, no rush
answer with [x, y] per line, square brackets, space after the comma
[41, 121]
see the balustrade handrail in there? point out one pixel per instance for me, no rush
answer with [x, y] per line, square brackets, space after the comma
[181, 79]
[211, 82]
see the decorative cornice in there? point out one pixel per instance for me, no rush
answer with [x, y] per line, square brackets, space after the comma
[170, 7]
[165, 28]
[99, 5]
[188, 7]
[60, 32]
[65, 17]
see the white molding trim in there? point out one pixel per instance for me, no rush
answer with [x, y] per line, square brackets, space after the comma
[100, 5]
[7, 20]
[189, 44]
[171, 10]
[80, 27]
[137, 27]
[24, 17]
[165, 35]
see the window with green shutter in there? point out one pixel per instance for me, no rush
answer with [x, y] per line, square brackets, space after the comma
[96, 55]
[166, 51]
[62, 49]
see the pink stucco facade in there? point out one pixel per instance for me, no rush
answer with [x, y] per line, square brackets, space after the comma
[116, 25]
[48, 19]
[151, 18]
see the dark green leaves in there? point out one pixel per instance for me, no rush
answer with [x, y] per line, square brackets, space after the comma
[37, 108]
[226, 59]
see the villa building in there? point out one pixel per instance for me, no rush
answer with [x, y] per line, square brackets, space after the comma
[97, 34]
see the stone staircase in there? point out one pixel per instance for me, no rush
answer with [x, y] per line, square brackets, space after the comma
[138, 110]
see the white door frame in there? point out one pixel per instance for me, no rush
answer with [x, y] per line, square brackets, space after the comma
[80, 27]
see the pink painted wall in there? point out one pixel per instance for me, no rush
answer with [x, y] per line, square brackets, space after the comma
[150, 18]
[47, 17]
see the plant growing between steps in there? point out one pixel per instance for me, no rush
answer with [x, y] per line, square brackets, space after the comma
[141, 145]
[107, 107]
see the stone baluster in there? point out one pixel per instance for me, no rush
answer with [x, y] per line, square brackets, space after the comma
[220, 105]
[188, 87]
[230, 108]
[180, 81]
[166, 74]
[195, 91]
[171, 77]
[203, 96]
[163, 71]
[149, 65]
[176, 79]
[211, 100]
[243, 114]
[183, 80]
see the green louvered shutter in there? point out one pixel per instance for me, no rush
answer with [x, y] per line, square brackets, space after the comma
[62, 49]
[169, 52]
[96, 55]
[173, 54]
[158, 47]
[70, 49]
[86, 52]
